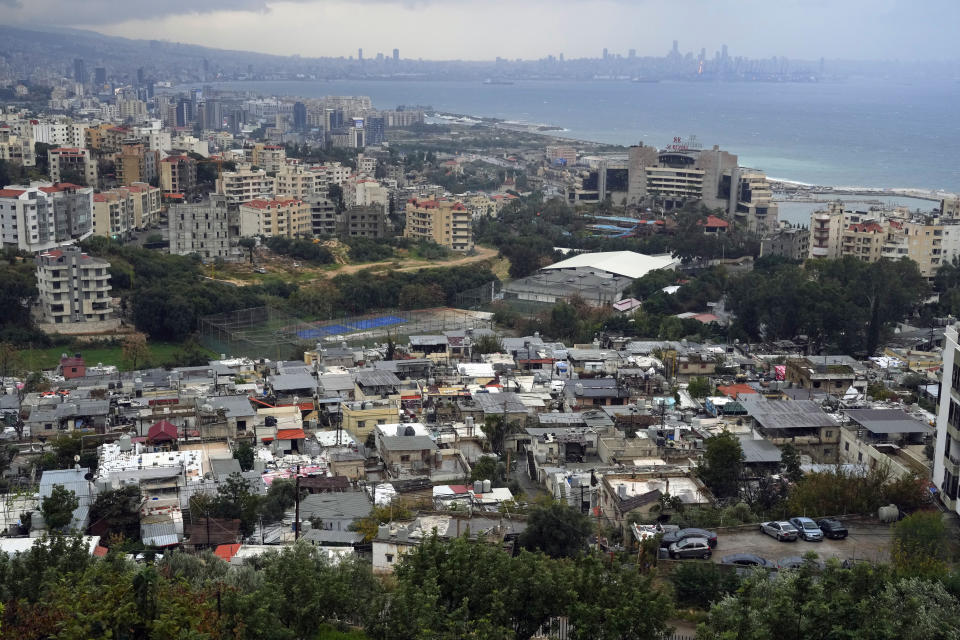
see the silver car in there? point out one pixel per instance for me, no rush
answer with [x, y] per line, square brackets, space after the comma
[808, 529]
[782, 530]
[690, 548]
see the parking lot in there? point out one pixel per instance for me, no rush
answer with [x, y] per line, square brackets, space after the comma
[867, 541]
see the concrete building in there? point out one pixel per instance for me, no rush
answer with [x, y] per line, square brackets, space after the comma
[70, 164]
[269, 157]
[178, 174]
[362, 192]
[369, 221]
[201, 228]
[950, 207]
[245, 185]
[135, 163]
[286, 218]
[73, 287]
[561, 154]
[120, 211]
[792, 243]
[296, 181]
[60, 134]
[16, 149]
[324, 218]
[678, 174]
[946, 458]
[595, 288]
[445, 222]
[38, 218]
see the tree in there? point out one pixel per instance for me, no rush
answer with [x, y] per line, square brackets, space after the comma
[488, 343]
[380, 514]
[135, 350]
[920, 543]
[487, 468]
[10, 361]
[722, 464]
[557, 529]
[700, 387]
[249, 244]
[118, 511]
[235, 500]
[790, 462]
[57, 508]
[698, 584]
[280, 496]
[245, 454]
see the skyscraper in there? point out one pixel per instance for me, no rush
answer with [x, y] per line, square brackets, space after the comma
[79, 71]
[100, 76]
[140, 77]
[360, 54]
[299, 116]
[396, 55]
[605, 53]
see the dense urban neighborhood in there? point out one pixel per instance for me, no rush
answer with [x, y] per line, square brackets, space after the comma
[285, 367]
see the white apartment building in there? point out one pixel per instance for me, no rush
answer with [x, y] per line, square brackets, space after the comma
[73, 286]
[120, 211]
[44, 216]
[245, 185]
[946, 457]
[359, 192]
[60, 134]
[269, 157]
[295, 181]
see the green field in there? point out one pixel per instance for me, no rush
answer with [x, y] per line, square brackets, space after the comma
[161, 353]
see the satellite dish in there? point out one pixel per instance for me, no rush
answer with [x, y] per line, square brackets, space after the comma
[76, 458]
[88, 476]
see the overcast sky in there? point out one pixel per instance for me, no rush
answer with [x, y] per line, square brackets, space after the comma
[484, 29]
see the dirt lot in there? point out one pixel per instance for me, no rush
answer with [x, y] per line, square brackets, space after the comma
[867, 541]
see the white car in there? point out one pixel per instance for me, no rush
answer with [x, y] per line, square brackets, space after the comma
[781, 530]
[808, 529]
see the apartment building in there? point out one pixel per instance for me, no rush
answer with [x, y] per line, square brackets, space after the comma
[445, 222]
[269, 157]
[865, 240]
[245, 185]
[946, 457]
[365, 192]
[136, 163]
[60, 134]
[792, 243]
[950, 207]
[120, 211]
[365, 222]
[44, 216]
[178, 174]
[286, 218]
[753, 207]
[324, 219]
[106, 139]
[296, 181]
[561, 154]
[73, 287]
[202, 228]
[17, 149]
[71, 164]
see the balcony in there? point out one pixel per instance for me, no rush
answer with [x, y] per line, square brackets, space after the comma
[952, 464]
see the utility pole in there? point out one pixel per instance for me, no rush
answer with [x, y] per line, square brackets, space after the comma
[296, 518]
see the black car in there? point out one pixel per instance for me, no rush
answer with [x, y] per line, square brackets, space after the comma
[833, 529]
[671, 537]
[747, 560]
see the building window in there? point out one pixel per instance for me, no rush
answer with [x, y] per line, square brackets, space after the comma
[829, 434]
[404, 458]
[389, 557]
[846, 446]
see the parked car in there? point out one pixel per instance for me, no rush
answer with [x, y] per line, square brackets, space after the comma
[808, 529]
[832, 528]
[782, 531]
[681, 534]
[690, 548]
[746, 560]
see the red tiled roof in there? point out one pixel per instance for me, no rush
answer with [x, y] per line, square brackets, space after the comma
[99, 197]
[12, 193]
[734, 390]
[226, 551]
[161, 431]
[100, 552]
[290, 434]
[714, 221]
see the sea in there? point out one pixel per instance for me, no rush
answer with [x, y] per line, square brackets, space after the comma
[859, 132]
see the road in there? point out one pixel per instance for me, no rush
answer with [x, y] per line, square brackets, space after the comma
[482, 254]
[867, 541]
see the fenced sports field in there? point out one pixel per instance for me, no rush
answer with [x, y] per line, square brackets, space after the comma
[267, 332]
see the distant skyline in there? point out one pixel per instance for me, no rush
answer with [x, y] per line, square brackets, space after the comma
[484, 29]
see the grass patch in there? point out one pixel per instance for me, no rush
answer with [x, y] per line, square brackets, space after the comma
[161, 353]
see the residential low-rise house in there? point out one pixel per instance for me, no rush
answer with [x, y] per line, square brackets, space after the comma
[592, 392]
[638, 494]
[801, 423]
[831, 374]
[360, 417]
